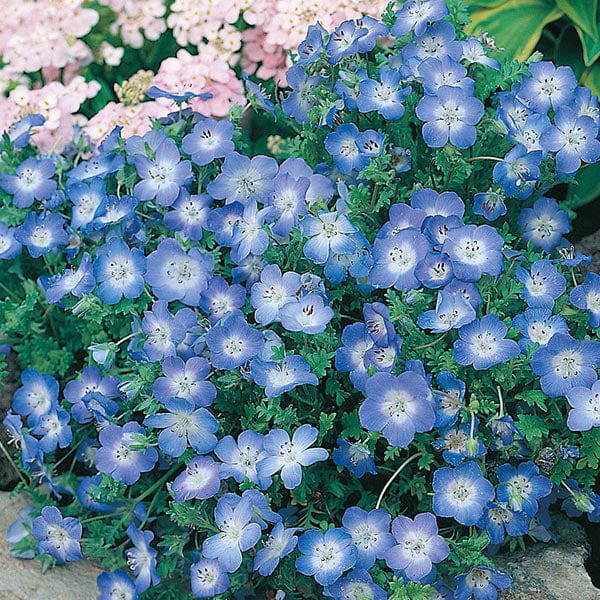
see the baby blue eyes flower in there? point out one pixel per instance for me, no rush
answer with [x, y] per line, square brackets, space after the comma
[116, 585]
[522, 487]
[416, 14]
[280, 543]
[272, 292]
[538, 325]
[9, 246]
[32, 181]
[119, 271]
[548, 86]
[57, 536]
[142, 558]
[289, 456]
[240, 459]
[499, 521]
[543, 284]
[327, 233]
[301, 99]
[120, 456]
[201, 479]
[344, 41]
[481, 583]
[38, 396]
[564, 363]
[76, 281]
[544, 224]
[398, 407]
[482, 343]
[174, 274]
[42, 233]
[164, 332]
[461, 492]
[189, 215]
[184, 426]
[20, 131]
[352, 149]
[237, 534]
[280, 377]
[309, 50]
[208, 140]
[451, 311]
[448, 399]
[473, 52]
[54, 430]
[490, 205]
[220, 298]
[357, 585]
[308, 314]
[355, 457]
[384, 96]
[450, 115]
[585, 407]
[587, 297]
[417, 546]
[208, 578]
[370, 533]
[325, 556]
[518, 172]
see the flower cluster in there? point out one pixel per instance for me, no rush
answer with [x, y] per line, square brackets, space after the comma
[322, 371]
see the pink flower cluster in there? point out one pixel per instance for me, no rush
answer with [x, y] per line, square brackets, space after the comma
[138, 19]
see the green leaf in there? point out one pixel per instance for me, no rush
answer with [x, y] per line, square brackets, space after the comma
[591, 47]
[585, 188]
[582, 13]
[486, 3]
[515, 25]
[532, 427]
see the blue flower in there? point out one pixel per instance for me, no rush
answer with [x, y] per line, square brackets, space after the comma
[435, 270]
[38, 396]
[208, 140]
[344, 41]
[518, 172]
[489, 205]
[437, 41]
[543, 284]
[451, 312]
[529, 134]
[311, 46]
[448, 399]
[416, 14]
[564, 363]
[443, 71]
[473, 52]
[352, 149]
[57, 536]
[185, 380]
[289, 456]
[9, 246]
[449, 115]
[19, 132]
[587, 297]
[283, 376]
[220, 298]
[142, 559]
[458, 444]
[370, 533]
[288, 202]
[32, 181]
[325, 556]
[357, 585]
[280, 543]
[164, 332]
[499, 520]
[88, 495]
[384, 96]
[201, 479]
[482, 343]
[547, 86]
[119, 271]
[54, 430]
[249, 236]
[76, 281]
[119, 455]
[398, 407]
[272, 292]
[350, 357]
[522, 487]
[155, 92]
[585, 407]
[90, 381]
[237, 534]
[189, 215]
[308, 314]
[183, 426]
[208, 578]
[233, 342]
[98, 166]
[544, 224]
[240, 459]
[461, 492]
[243, 179]
[355, 457]
[417, 546]
[116, 585]
[481, 583]
[42, 233]
[301, 99]
[328, 232]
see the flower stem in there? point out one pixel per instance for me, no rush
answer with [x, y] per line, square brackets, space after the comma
[13, 464]
[396, 473]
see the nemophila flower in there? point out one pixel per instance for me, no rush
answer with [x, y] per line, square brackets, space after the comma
[451, 312]
[288, 202]
[437, 41]
[308, 314]
[585, 411]
[248, 270]
[53, 430]
[119, 456]
[571, 259]
[416, 14]
[547, 86]
[91, 381]
[370, 533]
[398, 407]
[481, 583]
[352, 149]
[587, 297]
[357, 585]
[448, 399]
[283, 376]
[538, 325]
[396, 258]
[243, 179]
[473, 52]
[280, 543]
[432, 204]
[32, 181]
[272, 292]
[328, 232]
[249, 233]
[435, 270]
[98, 166]
[208, 140]
[189, 215]
[164, 332]
[436, 228]
[175, 274]
[233, 342]
[76, 281]
[201, 479]
[115, 211]
[444, 71]
[9, 246]
[489, 205]
[119, 271]
[482, 343]
[57, 536]
[461, 492]
[311, 46]
[208, 578]
[449, 115]
[37, 396]
[499, 521]
[564, 363]
[518, 172]
[384, 96]
[142, 558]
[378, 323]
[375, 30]
[220, 298]
[325, 556]
[20, 131]
[221, 221]
[289, 456]
[116, 585]
[522, 487]
[543, 284]
[355, 457]
[240, 458]
[504, 431]
[88, 495]
[343, 41]
[459, 444]
[474, 250]
[357, 265]
[237, 534]
[301, 99]
[42, 233]
[184, 426]
[417, 546]
[544, 224]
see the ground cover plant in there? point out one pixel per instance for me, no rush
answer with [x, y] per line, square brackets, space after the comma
[355, 367]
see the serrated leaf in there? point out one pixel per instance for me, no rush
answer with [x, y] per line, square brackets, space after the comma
[582, 13]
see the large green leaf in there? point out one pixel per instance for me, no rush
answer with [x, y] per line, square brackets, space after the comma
[582, 13]
[485, 3]
[592, 79]
[516, 25]
[585, 188]
[591, 47]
